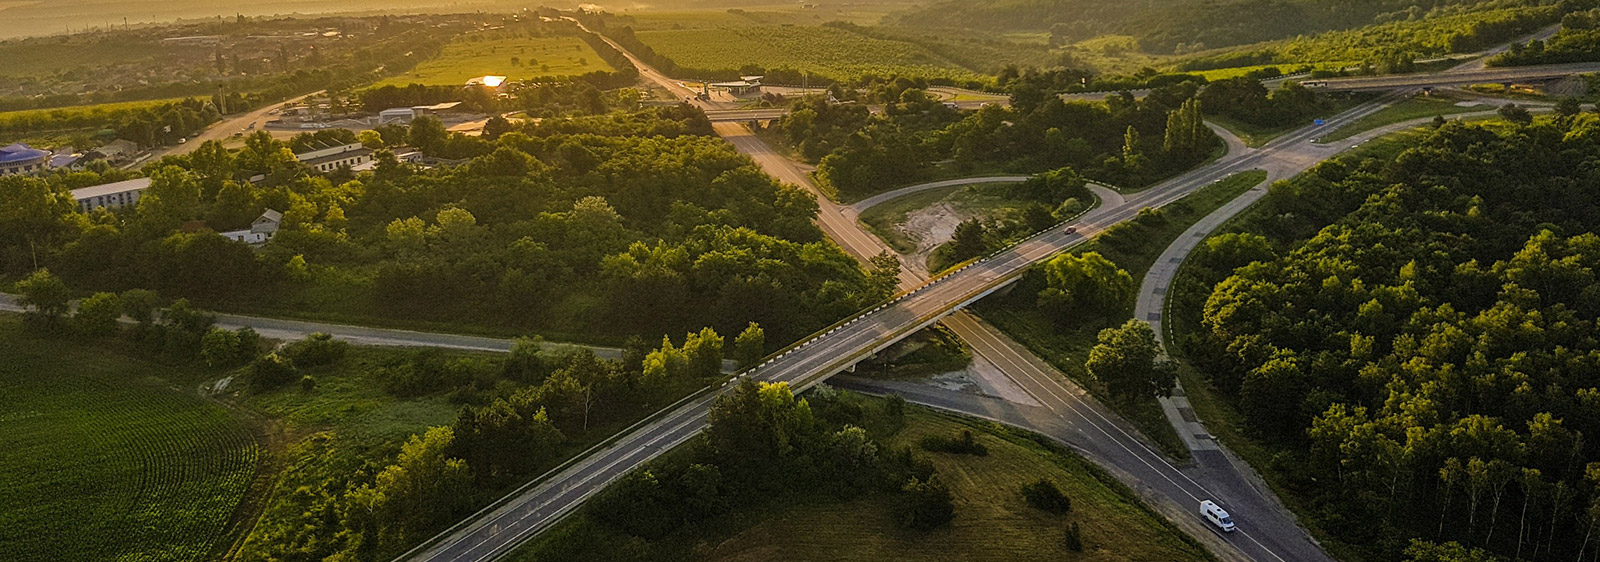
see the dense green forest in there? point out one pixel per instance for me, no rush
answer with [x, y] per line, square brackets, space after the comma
[1416, 338]
[605, 226]
[1178, 26]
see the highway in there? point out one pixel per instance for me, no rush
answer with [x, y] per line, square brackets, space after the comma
[1265, 535]
[1453, 78]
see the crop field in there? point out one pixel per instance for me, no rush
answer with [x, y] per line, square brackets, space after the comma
[534, 57]
[827, 51]
[105, 462]
[992, 521]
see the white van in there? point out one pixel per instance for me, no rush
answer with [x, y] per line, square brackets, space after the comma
[1216, 515]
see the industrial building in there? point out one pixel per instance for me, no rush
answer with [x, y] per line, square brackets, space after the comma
[334, 157]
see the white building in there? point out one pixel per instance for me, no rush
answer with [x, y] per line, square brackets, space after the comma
[112, 195]
[332, 158]
[260, 231]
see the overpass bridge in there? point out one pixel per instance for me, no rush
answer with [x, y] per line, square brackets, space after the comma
[1458, 78]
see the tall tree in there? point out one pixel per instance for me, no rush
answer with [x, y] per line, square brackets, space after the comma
[1128, 360]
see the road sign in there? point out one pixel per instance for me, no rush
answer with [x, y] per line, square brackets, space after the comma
[1317, 122]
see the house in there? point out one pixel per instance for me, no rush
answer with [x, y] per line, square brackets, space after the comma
[115, 151]
[23, 159]
[334, 157]
[112, 195]
[261, 230]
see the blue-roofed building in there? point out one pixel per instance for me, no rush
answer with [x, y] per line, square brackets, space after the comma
[23, 159]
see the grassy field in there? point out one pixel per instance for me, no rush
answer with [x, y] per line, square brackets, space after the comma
[106, 460]
[1412, 108]
[826, 51]
[537, 56]
[1256, 135]
[992, 521]
[1135, 249]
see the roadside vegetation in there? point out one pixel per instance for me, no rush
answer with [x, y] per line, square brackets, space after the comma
[1505, 248]
[899, 500]
[1059, 308]
[373, 449]
[1416, 107]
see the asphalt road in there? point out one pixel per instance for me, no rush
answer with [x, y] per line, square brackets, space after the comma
[1453, 78]
[223, 130]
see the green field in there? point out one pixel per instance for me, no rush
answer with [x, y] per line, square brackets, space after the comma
[992, 521]
[826, 51]
[106, 460]
[1133, 246]
[537, 57]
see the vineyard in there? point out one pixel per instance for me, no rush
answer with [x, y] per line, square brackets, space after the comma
[826, 51]
[516, 58]
[103, 462]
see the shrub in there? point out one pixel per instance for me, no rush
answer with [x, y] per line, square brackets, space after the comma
[317, 349]
[1043, 494]
[1074, 538]
[270, 371]
[960, 444]
[308, 383]
[925, 504]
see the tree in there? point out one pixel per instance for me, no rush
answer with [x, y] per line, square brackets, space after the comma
[1568, 107]
[220, 348]
[703, 351]
[425, 487]
[44, 294]
[140, 305]
[97, 315]
[270, 371]
[1423, 551]
[1128, 360]
[666, 365]
[428, 134]
[750, 346]
[967, 242]
[1087, 281]
[495, 127]
[1074, 537]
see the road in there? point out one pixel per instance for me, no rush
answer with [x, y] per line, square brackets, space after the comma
[223, 130]
[1453, 78]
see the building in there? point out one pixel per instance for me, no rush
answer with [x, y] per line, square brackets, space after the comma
[260, 231]
[116, 151]
[334, 157]
[23, 159]
[745, 86]
[112, 195]
[404, 115]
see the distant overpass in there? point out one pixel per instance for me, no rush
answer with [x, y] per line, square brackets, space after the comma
[1485, 76]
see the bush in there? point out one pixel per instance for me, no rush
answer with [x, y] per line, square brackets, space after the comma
[1043, 494]
[308, 383]
[1074, 538]
[317, 349]
[960, 444]
[270, 371]
[925, 504]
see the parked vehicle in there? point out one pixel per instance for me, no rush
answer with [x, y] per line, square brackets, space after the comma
[1216, 515]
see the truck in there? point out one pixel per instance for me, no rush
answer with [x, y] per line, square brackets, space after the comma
[1210, 511]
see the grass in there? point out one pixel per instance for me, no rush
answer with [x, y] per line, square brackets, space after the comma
[1134, 247]
[1412, 108]
[992, 522]
[826, 51]
[538, 57]
[106, 460]
[1254, 136]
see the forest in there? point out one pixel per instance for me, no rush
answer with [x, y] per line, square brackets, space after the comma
[604, 226]
[1123, 141]
[1416, 341]
[1577, 41]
